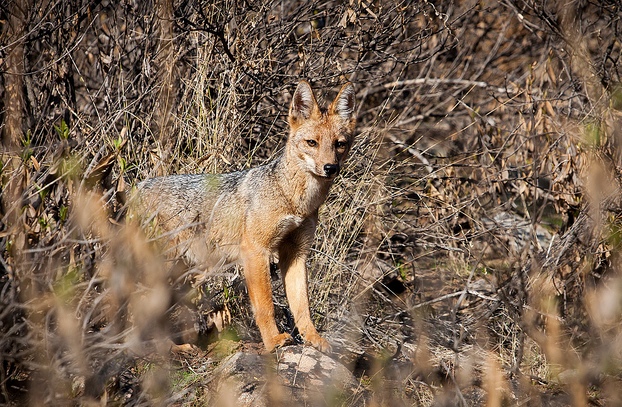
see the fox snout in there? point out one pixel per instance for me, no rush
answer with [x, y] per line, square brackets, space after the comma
[331, 170]
[322, 168]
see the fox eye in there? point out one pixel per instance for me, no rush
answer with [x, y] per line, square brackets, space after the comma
[312, 143]
[340, 144]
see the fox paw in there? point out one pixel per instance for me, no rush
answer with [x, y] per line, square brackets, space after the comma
[278, 341]
[318, 342]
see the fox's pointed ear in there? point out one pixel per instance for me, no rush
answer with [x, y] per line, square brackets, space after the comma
[303, 105]
[343, 105]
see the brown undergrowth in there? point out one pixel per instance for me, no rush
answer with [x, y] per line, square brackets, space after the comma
[468, 255]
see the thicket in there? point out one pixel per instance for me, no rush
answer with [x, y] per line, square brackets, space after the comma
[470, 252]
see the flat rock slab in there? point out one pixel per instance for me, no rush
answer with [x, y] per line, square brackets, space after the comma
[294, 375]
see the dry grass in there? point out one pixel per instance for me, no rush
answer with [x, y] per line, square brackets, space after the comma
[468, 255]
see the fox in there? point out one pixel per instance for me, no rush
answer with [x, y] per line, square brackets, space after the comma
[267, 212]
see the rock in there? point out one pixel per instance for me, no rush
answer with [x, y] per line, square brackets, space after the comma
[295, 375]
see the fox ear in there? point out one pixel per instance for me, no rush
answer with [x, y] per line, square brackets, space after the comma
[343, 105]
[303, 104]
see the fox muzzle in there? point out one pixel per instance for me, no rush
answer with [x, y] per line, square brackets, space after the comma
[331, 169]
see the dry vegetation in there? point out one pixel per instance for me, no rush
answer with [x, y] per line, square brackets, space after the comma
[469, 255]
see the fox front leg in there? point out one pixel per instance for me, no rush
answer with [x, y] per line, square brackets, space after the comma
[257, 273]
[295, 281]
[292, 262]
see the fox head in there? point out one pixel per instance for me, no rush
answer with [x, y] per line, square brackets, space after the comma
[321, 138]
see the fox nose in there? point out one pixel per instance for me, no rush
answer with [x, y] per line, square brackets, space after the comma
[331, 169]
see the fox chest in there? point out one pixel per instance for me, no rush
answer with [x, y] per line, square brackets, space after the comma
[286, 225]
[271, 234]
